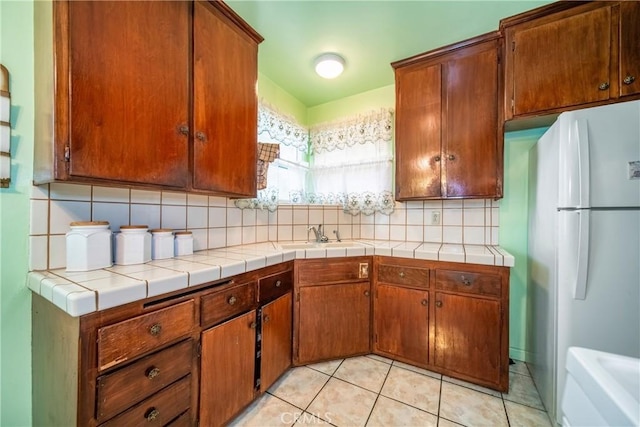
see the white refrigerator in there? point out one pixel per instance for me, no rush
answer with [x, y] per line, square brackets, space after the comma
[584, 242]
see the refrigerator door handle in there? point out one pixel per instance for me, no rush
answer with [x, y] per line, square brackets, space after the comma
[580, 285]
[582, 135]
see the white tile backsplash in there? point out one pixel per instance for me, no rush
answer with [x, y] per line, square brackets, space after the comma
[221, 224]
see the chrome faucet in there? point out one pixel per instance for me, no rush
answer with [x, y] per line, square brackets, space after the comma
[320, 237]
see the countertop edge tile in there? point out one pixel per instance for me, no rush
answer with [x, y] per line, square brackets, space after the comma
[222, 263]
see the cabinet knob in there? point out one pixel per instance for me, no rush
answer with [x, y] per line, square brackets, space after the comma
[153, 372]
[629, 79]
[402, 274]
[278, 284]
[436, 158]
[266, 319]
[232, 300]
[465, 281]
[200, 136]
[155, 329]
[152, 414]
[183, 129]
[253, 325]
[367, 293]
[451, 157]
[438, 304]
[604, 86]
[424, 302]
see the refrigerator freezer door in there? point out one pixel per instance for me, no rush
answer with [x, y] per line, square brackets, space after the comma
[611, 136]
[608, 318]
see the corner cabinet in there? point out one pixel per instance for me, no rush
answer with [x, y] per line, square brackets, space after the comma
[449, 143]
[332, 312]
[146, 94]
[569, 55]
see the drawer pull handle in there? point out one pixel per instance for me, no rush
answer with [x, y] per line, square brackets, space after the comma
[266, 319]
[153, 372]
[367, 293]
[425, 302]
[278, 284]
[402, 274]
[466, 281]
[451, 157]
[152, 414]
[232, 300]
[603, 86]
[155, 329]
[628, 80]
[438, 304]
[253, 325]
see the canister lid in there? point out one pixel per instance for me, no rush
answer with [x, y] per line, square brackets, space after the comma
[183, 233]
[133, 227]
[88, 223]
[161, 230]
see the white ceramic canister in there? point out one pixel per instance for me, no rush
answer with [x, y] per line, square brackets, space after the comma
[133, 245]
[88, 246]
[183, 243]
[161, 243]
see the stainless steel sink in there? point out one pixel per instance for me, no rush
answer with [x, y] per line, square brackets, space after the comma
[316, 245]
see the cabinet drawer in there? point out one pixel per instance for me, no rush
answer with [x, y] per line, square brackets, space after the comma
[274, 286]
[124, 387]
[464, 281]
[225, 304]
[401, 275]
[183, 420]
[125, 340]
[161, 408]
[333, 270]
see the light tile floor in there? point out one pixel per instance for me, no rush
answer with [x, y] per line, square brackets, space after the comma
[375, 391]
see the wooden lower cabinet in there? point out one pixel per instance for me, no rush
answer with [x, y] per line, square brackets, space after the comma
[226, 369]
[332, 317]
[401, 323]
[276, 340]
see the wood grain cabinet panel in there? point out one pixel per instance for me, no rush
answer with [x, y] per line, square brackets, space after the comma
[227, 366]
[449, 141]
[569, 55]
[277, 337]
[150, 93]
[401, 323]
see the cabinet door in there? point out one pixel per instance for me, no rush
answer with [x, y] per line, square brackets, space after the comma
[227, 369]
[225, 105]
[629, 47]
[129, 91]
[467, 336]
[470, 137]
[276, 340]
[401, 322]
[562, 62]
[333, 321]
[418, 132]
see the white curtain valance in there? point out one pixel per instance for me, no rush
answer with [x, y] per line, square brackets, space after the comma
[372, 127]
[282, 128]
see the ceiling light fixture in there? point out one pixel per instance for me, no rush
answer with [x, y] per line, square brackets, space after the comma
[329, 65]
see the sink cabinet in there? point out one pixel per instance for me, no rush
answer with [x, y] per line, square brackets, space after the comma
[332, 313]
[117, 80]
[448, 139]
[570, 55]
[166, 359]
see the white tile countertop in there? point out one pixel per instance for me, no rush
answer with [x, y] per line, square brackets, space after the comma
[79, 293]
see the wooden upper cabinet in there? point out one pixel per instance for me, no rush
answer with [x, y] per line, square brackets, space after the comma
[152, 93]
[570, 55]
[226, 106]
[629, 48]
[449, 143]
[126, 104]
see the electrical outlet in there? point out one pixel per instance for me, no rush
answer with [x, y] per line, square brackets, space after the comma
[435, 217]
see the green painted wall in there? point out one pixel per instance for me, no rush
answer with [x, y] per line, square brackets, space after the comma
[16, 53]
[384, 97]
[280, 99]
[513, 231]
